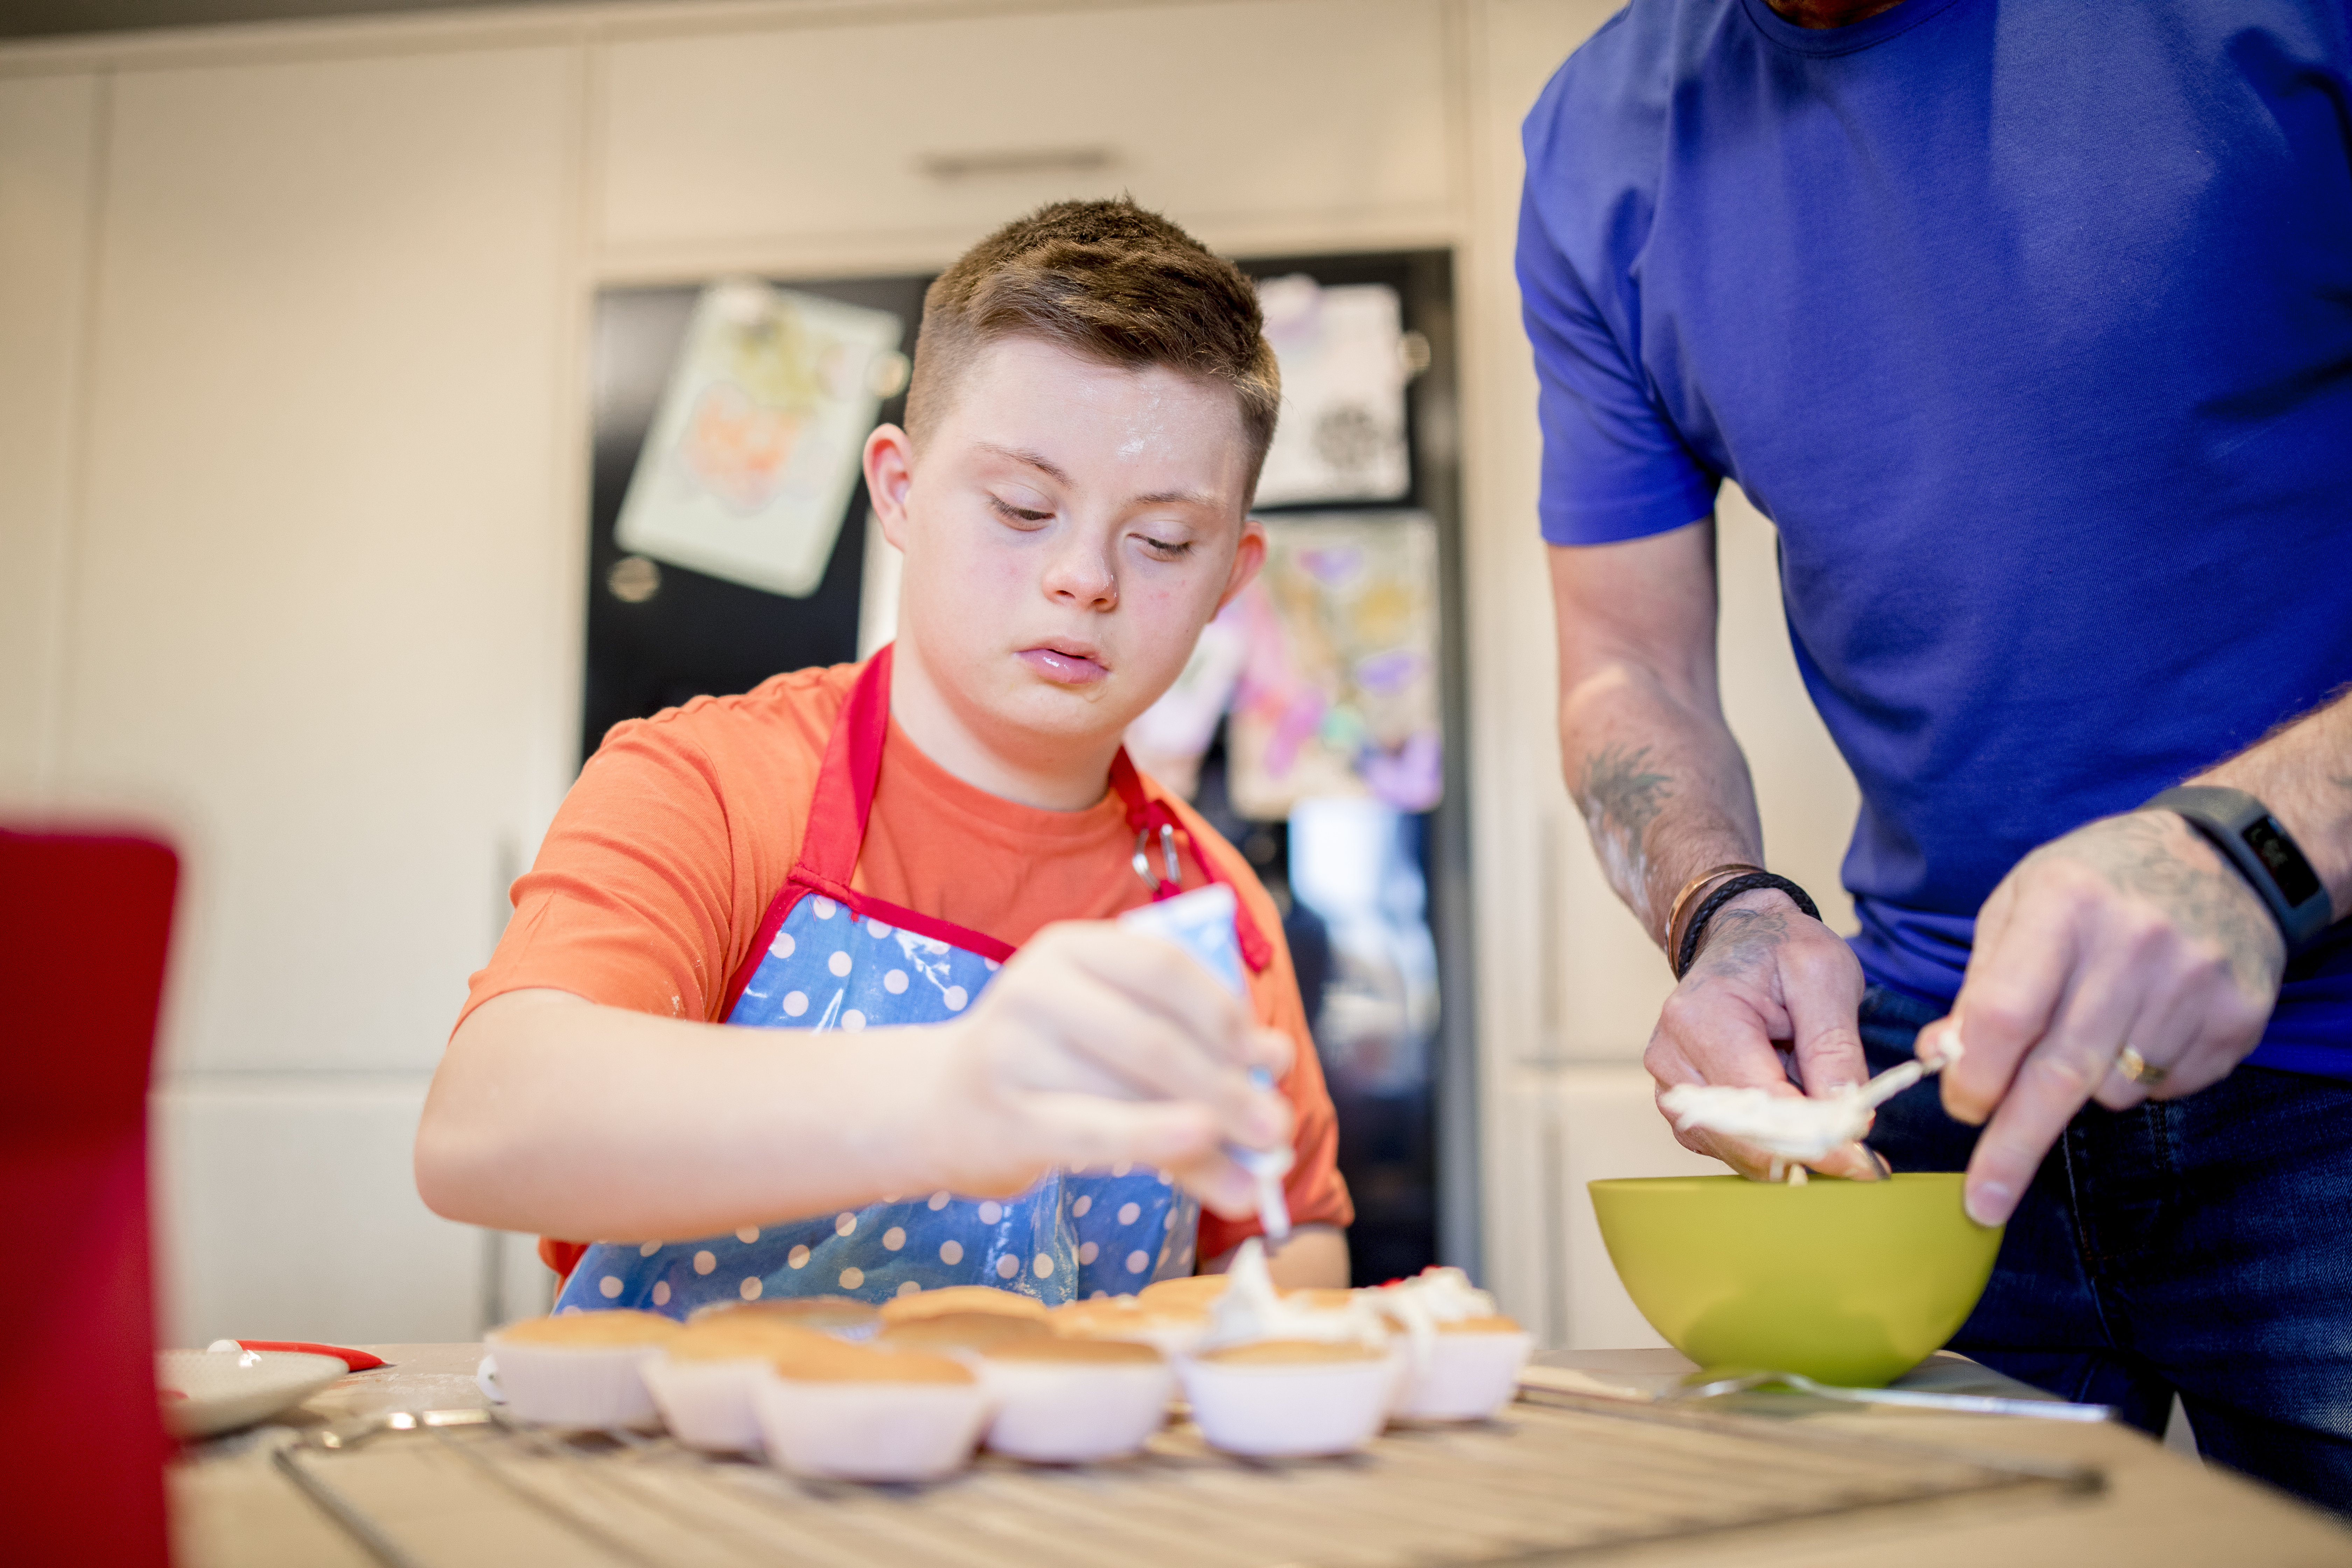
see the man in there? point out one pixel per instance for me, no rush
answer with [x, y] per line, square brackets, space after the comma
[2030, 327]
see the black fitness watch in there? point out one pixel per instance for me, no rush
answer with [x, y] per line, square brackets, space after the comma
[2242, 828]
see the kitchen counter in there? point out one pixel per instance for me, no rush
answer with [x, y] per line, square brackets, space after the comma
[2013, 1492]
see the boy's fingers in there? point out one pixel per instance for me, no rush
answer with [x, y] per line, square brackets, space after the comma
[1086, 1129]
[1158, 976]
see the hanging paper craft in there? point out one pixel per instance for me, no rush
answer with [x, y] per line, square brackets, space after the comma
[1341, 434]
[1338, 693]
[748, 469]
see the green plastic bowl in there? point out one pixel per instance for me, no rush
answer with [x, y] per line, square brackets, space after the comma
[1847, 1282]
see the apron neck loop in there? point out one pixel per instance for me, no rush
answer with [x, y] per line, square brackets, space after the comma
[845, 782]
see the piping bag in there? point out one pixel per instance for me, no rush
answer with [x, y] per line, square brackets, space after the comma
[1202, 923]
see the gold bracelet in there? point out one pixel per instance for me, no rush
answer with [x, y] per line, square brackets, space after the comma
[1683, 900]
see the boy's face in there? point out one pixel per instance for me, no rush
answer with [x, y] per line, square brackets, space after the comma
[1069, 528]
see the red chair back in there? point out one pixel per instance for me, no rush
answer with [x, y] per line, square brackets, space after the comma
[84, 923]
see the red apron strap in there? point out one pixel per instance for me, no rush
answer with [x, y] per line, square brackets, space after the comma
[1148, 817]
[845, 782]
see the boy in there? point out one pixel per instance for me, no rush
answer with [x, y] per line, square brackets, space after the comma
[867, 845]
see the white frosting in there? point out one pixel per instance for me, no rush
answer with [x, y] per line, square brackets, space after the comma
[1439, 1295]
[1252, 1309]
[1783, 1125]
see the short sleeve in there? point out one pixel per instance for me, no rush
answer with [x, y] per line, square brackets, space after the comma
[1613, 466]
[630, 901]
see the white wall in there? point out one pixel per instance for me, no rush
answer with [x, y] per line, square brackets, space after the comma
[292, 459]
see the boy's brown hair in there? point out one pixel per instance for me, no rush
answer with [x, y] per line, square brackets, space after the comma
[1108, 281]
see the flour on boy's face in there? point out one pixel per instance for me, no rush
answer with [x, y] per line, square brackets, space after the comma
[1069, 528]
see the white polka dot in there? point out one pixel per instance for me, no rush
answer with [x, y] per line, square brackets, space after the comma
[1166, 1179]
[952, 1252]
[894, 1238]
[1122, 1168]
[990, 1211]
[797, 1257]
[1007, 1267]
[1130, 1213]
[938, 1202]
[609, 1286]
[783, 944]
[1089, 1252]
[1081, 1205]
[845, 1222]
[1136, 1262]
[795, 1004]
[851, 1279]
[877, 929]
[1099, 1296]
[1043, 1265]
[993, 965]
[909, 1286]
[646, 1250]
[853, 1020]
[955, 998]
[824, 909]
[661, 1293]
[891, 1198]
[838, 963]
[894, 982]
[750, 1288]
[748, 1234]
[705, 1262]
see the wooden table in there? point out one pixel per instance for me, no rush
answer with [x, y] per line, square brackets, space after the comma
[2128, 1500]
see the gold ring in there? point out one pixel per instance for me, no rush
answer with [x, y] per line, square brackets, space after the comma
[2137, 1068]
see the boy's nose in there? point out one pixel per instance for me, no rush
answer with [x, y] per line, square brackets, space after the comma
[1082, 577]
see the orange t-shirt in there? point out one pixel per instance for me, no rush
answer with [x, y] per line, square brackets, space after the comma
[653, 880]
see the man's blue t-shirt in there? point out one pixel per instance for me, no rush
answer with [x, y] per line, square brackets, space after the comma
[2030, 325]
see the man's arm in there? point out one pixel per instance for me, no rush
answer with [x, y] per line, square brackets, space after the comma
[2134, 931]
[1666, 795]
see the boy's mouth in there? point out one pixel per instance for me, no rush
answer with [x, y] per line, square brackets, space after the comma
[1065, 664]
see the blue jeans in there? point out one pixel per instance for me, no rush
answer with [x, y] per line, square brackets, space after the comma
[2201, 1246]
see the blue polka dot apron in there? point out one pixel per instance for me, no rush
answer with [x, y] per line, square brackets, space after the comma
[829, 957]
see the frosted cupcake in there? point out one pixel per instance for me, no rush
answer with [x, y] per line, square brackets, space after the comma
[1466, 1356]
[863, 1413]
[703, 1380]
[579, 1370]
[1070, 1401]
[1286, 1377]
[959, 1299]
[954, 1333]
[1170, 1326]
[839, 1316]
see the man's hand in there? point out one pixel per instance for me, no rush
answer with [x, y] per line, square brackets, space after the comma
[1770, 989]
[2130, 931]
[1097, 1046]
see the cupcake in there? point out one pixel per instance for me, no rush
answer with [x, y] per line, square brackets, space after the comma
[1072, 1401]
[1467, 1356]
[1195, 1290]
[578, 1370]
[953, 1333]
[959, 1299]
[1280, 1376]
[1170, 1326]
[702, 1381]
[839, 1316]
[863, 1413]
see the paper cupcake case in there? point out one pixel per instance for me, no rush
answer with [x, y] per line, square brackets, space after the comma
[1465, 1375]
[708, 1404]
[1290, 1412]
[869, 1431]
[599, 1386]
[1060, 1414]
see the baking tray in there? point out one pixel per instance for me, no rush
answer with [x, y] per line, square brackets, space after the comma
[1554, 1479]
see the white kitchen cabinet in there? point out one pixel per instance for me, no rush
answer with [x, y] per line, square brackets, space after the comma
[1307, 120]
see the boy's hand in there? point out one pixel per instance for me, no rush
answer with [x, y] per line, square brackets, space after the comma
[1097, 1046]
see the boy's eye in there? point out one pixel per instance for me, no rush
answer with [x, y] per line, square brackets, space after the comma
[1167, 549]
[1011, 513]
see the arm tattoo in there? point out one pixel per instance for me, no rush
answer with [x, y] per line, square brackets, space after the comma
[1737, 944]
[1621, 795]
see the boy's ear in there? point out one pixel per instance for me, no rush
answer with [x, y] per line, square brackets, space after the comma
[889, 471]
[1248, 556]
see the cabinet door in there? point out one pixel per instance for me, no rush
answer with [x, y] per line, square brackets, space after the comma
[322, 562]
[1223, 115]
